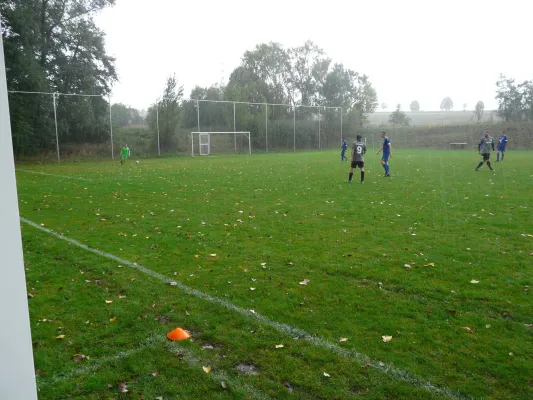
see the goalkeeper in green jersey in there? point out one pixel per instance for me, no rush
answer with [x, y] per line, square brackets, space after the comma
[124, 154]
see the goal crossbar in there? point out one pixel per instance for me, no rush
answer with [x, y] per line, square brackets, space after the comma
[235, 133]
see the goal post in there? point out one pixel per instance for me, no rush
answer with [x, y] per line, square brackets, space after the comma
[205, 141]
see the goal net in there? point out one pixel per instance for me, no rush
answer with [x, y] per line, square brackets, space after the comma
[207, 143]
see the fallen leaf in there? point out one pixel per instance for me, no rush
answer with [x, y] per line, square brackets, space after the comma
[108, 301]
[343, 339]
[123, 387]
[212, 255]
[78, 357]
[529, 325]
[173, 283]
[113, 319]
[468, 329]
[386, 338]
[304, 282]
[430, 265]
[223, 384]
[474, 281]
[154, 374]
[60, 337]
[407, 266]
[207, 369]
[252, 288]
[279, 346]
[121, 297]
[327, 375]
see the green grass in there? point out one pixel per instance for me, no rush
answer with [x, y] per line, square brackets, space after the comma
[295, 213]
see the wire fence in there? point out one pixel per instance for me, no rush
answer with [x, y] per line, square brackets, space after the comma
[64, 126]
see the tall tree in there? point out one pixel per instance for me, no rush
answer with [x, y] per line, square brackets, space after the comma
[415, 105]
[398, 117]
[55, 46]
[270, 63]
[309, 70]
[446, 104]
[383, 106]
[511, 98]
[479, 109]
[168, 112]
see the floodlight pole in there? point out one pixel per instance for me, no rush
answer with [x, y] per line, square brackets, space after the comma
[294, 128]
[234, 129]
[55, 121]
[17, 371]
[111, 130]
[319, 146]
[157, 121]
[266, 127]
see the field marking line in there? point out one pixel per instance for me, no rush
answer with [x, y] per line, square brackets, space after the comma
[295, 333]
[154, 340]
[60, 176]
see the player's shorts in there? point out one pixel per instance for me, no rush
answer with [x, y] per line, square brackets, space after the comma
[360, 164]
[124, 157]
[486, 156]
[385, 157]
[502, 149]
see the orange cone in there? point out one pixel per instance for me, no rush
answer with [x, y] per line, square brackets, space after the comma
[178, 334]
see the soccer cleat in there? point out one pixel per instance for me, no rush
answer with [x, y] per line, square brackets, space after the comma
[387, 175]
[475, 169]
[349, 181]
[362, 182]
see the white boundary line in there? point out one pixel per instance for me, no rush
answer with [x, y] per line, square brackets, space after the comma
[60, 176]
[189, 357]
[296, 333]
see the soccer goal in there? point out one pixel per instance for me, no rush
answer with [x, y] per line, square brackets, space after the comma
[221, 142]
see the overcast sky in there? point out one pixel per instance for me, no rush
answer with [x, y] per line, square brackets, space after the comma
[411, 49]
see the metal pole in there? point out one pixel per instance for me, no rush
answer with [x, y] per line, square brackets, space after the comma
[319, 146]
[294, 128]
[198, 114]
[266, 126]
[250, 143]
[157, 119]
[111, 130]
[341, 124]
[234, 129]
[55, 120]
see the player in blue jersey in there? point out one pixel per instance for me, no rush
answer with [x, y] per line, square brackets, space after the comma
[387, 153]
[343, 150]
[502, 143]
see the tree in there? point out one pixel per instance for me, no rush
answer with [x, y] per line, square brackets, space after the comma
[479, 109]
[123, 115]
[398, 117]
[55, 46]
[168, 112]
[415, 105]
[446, 104]
[309, 69]
[383, 106]
[514, 101]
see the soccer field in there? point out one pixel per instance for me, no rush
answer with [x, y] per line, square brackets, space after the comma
[293, 283]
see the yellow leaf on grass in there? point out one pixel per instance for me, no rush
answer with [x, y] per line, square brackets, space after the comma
[430, 265]
[279, 346]
[113, 319]
[60, 337]
[207, 369]
[386, 338]
[474, 281]
[343, 339]
[468, 329]
[108, 301]
[327, 375]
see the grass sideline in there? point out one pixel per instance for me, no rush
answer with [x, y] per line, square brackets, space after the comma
[294, 213]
